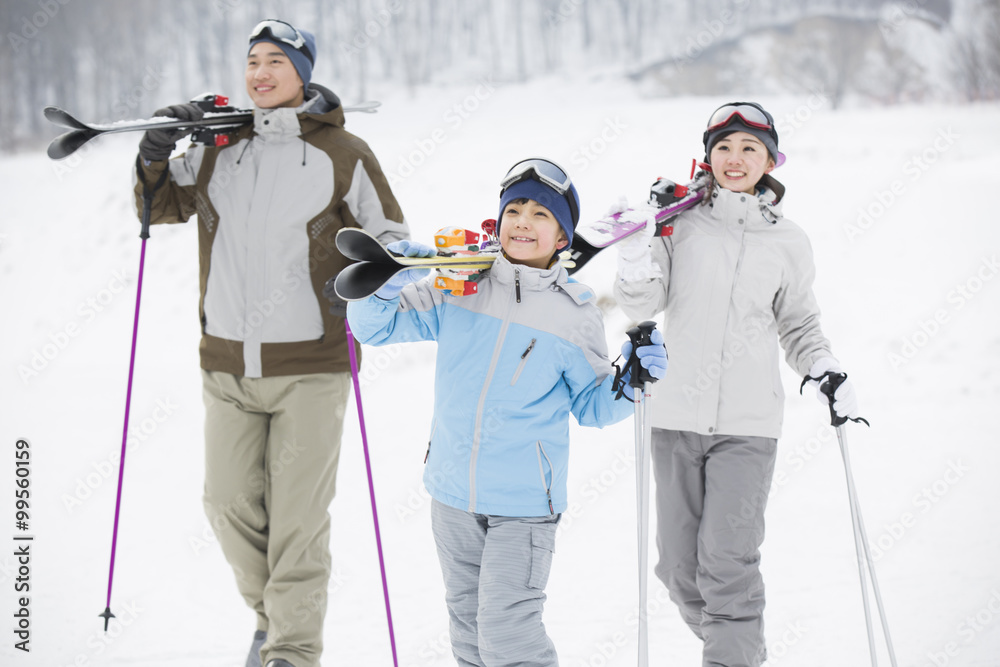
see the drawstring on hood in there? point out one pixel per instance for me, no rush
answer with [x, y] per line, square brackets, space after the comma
[243, 152]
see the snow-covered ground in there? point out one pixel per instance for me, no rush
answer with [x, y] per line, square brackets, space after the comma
[897, 203]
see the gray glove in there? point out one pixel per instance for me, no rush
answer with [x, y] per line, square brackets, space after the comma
[159, 144]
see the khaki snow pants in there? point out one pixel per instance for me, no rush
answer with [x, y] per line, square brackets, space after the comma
[271, 451]
[711, 492]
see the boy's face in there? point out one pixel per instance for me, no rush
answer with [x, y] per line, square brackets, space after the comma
[271, 78]
[530, 234]
[739, 160]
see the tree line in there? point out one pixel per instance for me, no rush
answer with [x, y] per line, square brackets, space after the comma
[108, 60]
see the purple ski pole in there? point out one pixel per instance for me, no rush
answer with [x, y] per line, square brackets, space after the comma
[147, 204]
[371, 485]
[107, 615]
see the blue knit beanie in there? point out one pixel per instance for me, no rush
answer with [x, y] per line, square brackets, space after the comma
[547, 197]
[302, 63]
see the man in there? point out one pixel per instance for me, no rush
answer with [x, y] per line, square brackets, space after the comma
[274, 358]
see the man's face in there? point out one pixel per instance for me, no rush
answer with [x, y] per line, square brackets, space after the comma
[272, 80]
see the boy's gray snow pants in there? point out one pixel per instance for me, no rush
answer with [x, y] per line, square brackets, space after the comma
[495, 569]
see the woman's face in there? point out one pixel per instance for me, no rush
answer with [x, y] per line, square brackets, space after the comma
[739, 160]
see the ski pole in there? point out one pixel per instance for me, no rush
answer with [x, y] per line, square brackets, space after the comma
[828, 384]
[371, 485]
[147, 206]
[641, 379]
[865, 557]
[858, 543]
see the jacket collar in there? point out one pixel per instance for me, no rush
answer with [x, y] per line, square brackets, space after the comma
[725, 203]
[327, 108]
[529, 278]
[284, 122]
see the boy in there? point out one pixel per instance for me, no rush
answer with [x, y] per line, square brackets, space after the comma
[514, 360]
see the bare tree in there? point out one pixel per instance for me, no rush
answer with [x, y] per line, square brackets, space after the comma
[106, 59]
[975, 52]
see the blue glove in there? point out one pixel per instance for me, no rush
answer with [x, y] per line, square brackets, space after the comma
[652, 357]
[408, 248]
[396, 284]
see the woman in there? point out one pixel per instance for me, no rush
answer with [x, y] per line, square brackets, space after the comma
[733, 278]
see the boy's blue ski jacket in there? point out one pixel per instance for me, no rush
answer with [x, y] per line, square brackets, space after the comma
[513, 361]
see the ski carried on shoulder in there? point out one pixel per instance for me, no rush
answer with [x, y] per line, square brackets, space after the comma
[212, 129]
[68, 143]
[666, 201]
[375, 265]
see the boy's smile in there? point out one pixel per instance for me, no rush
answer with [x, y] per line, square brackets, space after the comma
[530, 234]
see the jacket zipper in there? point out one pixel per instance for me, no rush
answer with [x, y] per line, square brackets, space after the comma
[739, 257]
[517, 284]
[541, 468]
[474, 455]
[524, 360]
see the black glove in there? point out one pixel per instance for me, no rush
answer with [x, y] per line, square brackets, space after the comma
[159, 144]
[338, 307]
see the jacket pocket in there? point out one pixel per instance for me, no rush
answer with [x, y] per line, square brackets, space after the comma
[545, 464]
[543, 545]
[430, 439]
[524, 361]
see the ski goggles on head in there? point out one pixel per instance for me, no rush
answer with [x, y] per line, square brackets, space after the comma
[280, 31]
[751, 114]
[546, 172]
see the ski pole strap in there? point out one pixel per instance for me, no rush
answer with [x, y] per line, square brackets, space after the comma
[619, 383]
[828, 384]
[147, 194]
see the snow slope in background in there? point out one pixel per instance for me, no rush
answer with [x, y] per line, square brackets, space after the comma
[906, 257]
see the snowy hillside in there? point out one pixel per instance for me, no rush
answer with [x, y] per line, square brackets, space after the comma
[899, 205]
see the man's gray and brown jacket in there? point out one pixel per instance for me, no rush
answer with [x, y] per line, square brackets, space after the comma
[269, 206]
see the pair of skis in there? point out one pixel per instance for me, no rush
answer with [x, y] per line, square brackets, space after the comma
[667, 200]
[375, 265]
[219, 119]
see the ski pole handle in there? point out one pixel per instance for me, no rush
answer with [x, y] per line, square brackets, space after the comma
[829, 388]
[147, 195]
[639, 335]
[828, 384]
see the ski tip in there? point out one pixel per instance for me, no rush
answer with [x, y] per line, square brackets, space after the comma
[66, 144]
[62, 118]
